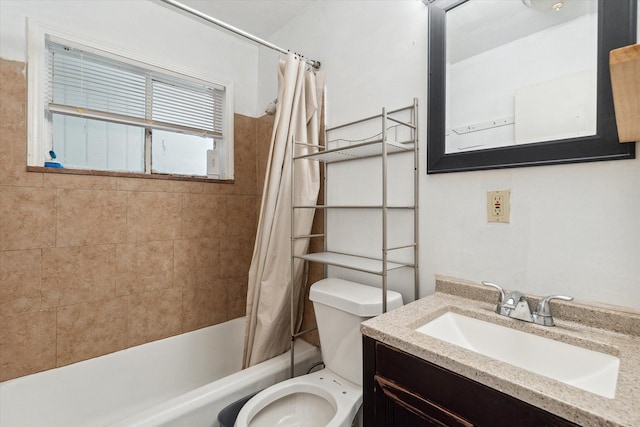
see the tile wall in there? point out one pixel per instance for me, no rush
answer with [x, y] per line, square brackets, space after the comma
[94, 264]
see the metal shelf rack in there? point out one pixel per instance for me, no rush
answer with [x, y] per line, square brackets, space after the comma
[348, 150]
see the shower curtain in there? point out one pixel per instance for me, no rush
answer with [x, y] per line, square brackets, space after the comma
[268, 331]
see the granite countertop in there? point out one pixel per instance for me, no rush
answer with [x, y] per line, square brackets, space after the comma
[602, 329]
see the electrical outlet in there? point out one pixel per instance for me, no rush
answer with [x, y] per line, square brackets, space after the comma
[498, 206]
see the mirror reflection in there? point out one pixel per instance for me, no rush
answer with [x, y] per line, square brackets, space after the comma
[520, 72]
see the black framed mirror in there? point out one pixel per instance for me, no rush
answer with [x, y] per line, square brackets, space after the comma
[616, 27]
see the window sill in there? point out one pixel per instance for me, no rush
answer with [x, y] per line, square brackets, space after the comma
[129, 175]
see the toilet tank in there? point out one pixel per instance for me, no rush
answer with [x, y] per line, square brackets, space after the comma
[340, 307]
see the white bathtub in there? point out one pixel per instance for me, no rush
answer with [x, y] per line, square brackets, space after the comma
[179, 381]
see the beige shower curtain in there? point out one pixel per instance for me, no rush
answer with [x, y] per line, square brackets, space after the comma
[268, 297]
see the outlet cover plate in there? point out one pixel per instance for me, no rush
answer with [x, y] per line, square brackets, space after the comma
[498, 206]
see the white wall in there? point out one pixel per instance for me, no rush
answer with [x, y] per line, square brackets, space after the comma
[575, 229]
[143, 27]
[374, 50]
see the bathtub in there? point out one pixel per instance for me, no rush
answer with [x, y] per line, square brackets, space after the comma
[179, 381]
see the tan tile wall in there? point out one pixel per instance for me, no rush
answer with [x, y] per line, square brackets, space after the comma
[94, 264]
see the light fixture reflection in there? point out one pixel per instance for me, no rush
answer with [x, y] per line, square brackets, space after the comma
[546, 5]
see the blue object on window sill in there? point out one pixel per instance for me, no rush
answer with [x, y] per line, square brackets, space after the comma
[53, 156]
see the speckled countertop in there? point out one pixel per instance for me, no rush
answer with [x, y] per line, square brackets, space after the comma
[596, 328]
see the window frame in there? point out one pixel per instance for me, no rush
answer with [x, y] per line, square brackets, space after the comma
[39, 137]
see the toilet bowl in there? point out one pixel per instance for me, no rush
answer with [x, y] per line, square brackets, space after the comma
[320, 399]
[332, 396]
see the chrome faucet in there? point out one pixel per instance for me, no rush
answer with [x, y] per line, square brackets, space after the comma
[516, 305]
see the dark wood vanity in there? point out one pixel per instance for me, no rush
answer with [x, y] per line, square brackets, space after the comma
[405, 391]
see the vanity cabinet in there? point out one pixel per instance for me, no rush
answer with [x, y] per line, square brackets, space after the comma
[405, 391]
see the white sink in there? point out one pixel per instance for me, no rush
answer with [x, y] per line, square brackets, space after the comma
[586, 369]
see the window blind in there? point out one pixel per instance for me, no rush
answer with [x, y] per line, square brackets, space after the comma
[88, 85]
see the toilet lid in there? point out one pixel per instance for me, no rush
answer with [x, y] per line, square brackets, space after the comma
[351, 297]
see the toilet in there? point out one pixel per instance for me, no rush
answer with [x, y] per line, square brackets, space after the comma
[332, 396]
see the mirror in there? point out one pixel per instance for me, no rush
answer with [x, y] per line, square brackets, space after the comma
[523, 82]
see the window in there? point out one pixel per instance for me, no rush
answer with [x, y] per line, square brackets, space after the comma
[107, 112]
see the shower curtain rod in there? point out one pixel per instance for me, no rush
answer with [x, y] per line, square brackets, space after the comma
[313, 63]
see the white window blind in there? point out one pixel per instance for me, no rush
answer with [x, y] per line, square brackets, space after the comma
[88, 85]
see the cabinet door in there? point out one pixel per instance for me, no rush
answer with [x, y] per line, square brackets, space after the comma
[402, 408]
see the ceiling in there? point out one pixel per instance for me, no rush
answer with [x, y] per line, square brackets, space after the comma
[262, 18]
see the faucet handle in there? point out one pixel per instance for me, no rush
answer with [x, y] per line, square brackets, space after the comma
[499, 288]
[543, 306]
[542, 314]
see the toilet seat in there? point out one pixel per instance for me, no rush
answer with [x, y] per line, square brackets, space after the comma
[319, 399]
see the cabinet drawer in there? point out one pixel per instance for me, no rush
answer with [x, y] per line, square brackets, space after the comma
[465, 399]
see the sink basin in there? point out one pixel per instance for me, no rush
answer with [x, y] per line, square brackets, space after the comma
[579, 367]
